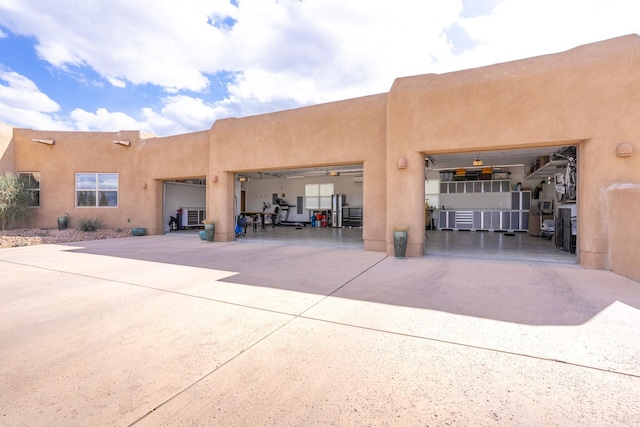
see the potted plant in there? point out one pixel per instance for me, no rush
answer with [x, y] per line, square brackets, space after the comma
[209, 229]
[400, 235]
[63, 222]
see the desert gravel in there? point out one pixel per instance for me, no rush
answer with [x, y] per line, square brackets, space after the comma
[40, 236]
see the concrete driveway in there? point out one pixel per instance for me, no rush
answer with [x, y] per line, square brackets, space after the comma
[171, 330]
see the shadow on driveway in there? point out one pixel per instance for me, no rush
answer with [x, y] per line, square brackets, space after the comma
[517, 292]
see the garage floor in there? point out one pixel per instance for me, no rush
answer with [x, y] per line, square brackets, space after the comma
[461, 244]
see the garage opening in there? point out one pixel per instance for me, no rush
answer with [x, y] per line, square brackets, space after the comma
[185, 203]
[519, 204]
[320, 206]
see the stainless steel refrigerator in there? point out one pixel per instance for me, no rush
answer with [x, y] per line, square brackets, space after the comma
[337, 201]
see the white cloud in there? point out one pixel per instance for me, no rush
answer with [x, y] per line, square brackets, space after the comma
[324, 47]
[23, 105]
[103, 120]
[117, 82]
[31, 119]
[287, 53]
[21, 93]
[181, 114]
[520, 29]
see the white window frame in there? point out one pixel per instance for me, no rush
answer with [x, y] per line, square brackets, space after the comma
[317, 197]
[32, 176]
[97, 189]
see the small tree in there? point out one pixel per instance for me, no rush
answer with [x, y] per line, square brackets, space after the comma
[14, 199]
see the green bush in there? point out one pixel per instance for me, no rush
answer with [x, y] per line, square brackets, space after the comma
[14, 199]
[89, 224]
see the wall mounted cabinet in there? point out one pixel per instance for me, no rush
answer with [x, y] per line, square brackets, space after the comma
[458, 187]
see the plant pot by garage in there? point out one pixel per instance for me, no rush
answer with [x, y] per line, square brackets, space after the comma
[210, 231]
[138, 231]
[62, 223]
[400, 243]
[202, 234]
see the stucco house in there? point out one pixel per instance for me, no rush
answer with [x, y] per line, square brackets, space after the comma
[587, 99]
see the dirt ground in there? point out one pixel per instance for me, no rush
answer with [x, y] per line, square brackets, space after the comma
[40, 236]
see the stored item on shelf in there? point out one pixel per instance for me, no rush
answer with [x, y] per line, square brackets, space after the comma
[446, 176]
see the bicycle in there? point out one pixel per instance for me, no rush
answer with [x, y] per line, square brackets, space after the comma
[565, 181]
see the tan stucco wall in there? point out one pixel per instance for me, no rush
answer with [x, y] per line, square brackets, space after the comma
[589, 95]
[141, 166]
[345, 132]
[7, 157]
[623, 205]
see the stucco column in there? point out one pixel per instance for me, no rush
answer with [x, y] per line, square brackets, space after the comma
[220, 194]
[374, 198]
[405, 200]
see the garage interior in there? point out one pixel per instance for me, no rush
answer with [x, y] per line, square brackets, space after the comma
[319, 197]
[502, 203]
[501, 212]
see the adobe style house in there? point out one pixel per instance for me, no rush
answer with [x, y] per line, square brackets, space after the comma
[587, 98]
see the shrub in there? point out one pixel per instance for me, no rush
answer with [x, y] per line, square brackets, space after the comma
[14, 199]
[89, 224]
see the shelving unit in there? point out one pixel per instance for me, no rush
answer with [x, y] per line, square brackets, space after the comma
[546, 170]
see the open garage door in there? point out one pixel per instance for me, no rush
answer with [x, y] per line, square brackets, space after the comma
[519, 204]
[185, 200]
[321, 205]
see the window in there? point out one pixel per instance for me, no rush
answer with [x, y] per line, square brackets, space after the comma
[31, 182]
[318, 196]
[97, 190]
[432, 192]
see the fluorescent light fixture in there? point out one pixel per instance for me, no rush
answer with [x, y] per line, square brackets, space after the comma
[295, 176]
[478, 162]
[471, 167]
[334, 173]
[243, 179]
[44, 141]
[125, 143]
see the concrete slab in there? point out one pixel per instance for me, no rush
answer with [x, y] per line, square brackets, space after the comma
[355, 376]
[80, 350]
[165, 330]
[290, 276]
[574, 315]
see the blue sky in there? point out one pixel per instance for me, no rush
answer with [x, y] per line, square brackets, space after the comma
[169, 67]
